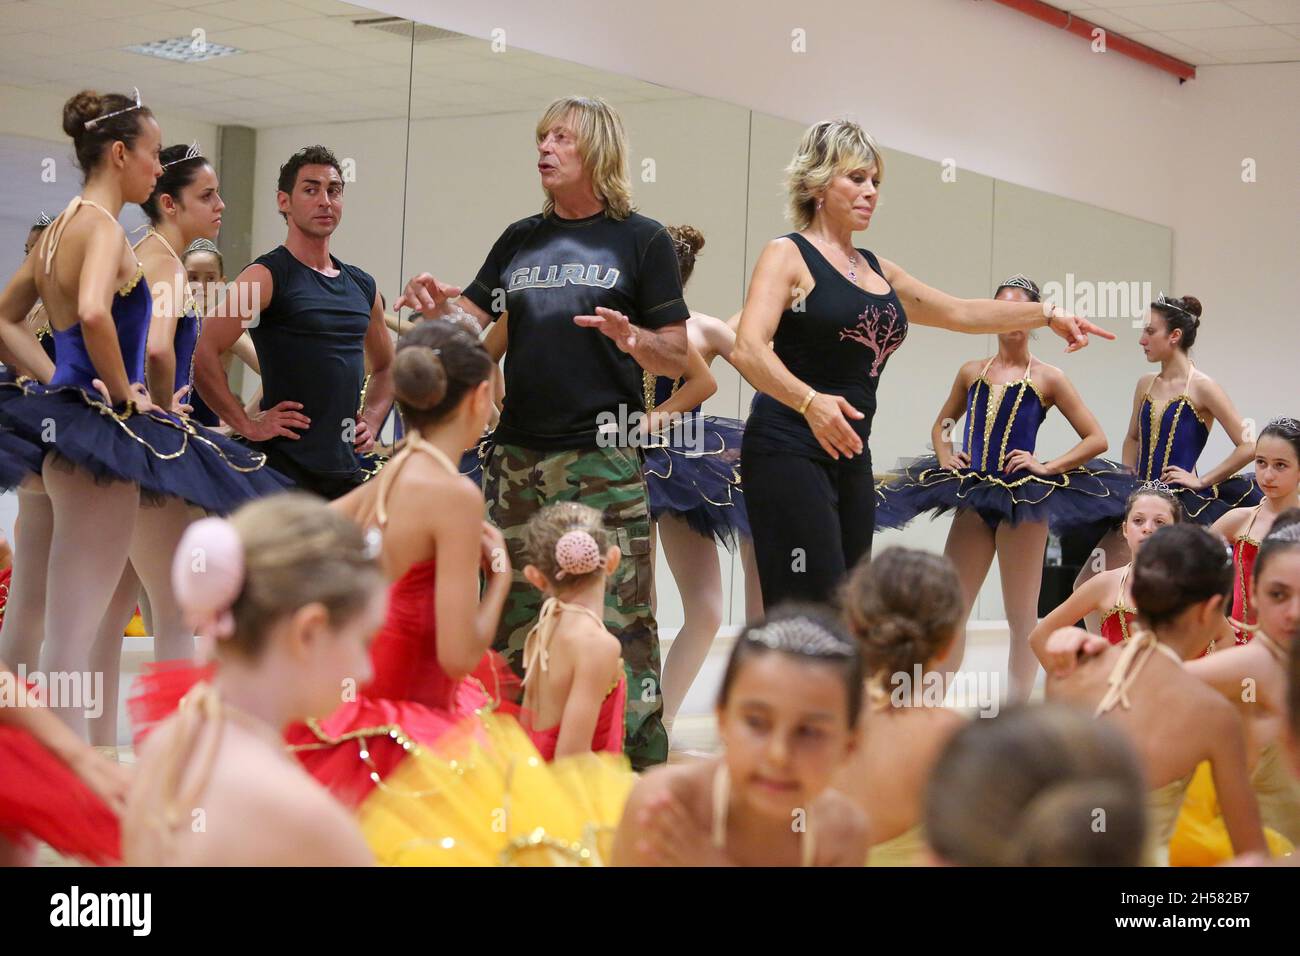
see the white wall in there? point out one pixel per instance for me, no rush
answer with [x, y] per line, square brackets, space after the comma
[1002, 95]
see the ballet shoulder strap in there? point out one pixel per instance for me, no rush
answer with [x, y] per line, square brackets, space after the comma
[1132, 659]
[414, 444]
[722, 800]
[60, 223]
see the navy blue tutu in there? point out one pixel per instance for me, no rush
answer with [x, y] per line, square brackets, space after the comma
[695, 475]
[18, 459]
[166, 455]
[1092, 493]
[1208, 506]
[471, 462]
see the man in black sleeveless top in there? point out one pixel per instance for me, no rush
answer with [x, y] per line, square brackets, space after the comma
[592, 295]
[315, 321]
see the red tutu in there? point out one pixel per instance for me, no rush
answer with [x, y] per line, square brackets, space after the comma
[41, 797]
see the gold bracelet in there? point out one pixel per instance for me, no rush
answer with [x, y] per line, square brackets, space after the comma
[803, 407]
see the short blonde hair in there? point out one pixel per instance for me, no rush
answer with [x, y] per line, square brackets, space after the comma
[827, 148]
[602, 144]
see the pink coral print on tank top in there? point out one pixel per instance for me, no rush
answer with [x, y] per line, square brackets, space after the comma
[880, 330]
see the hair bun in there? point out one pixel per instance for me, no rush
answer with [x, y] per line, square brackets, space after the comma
[419, 378]
[79, 110]
[692, 237]
[1193, 305]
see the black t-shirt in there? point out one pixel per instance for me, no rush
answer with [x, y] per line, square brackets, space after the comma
[310, 342]
[559, 375]
[838, 343]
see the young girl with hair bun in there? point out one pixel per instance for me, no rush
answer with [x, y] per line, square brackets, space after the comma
[788, 711]
[905, 608]
[1277, 472]
[287, 595]
[430, 661]
[1025, 788]
[575, 685]
[1261, 665]
[1181, 579]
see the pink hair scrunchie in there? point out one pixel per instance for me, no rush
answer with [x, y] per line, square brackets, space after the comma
[577, 553]
[207, 576]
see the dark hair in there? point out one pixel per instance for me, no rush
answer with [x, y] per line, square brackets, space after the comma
[687, 243]
[1021, 283]
[904, 607]
[90, 142]
[1025, 789]
[1286, 429]
[809, 633]
[178, 172]
[1183, 314]
[1179, 566]
[1283, 536]
[200, 246]
[437, 363]
[1162, 491]
[307, 156]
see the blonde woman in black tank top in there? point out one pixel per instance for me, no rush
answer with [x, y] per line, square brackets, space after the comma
[834, 314]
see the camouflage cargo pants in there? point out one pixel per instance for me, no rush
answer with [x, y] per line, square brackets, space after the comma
[517, 483]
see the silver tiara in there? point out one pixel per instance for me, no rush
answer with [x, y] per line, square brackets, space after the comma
[202, 245]
[43, 220]
[1020, 281]
[1291, 533]
[1165, 302]
[192, 153]
[799, 635]
[92, 123]
[1154, 485]
[1290, 424]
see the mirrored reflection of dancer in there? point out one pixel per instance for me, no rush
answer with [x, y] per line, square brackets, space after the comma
[692, 471]
[1004, 497]
[834, 314]
[1173, 412]
[108, 443]
[315, 322]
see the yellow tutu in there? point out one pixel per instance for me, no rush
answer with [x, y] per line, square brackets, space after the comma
[1201, 838]
[483, 796]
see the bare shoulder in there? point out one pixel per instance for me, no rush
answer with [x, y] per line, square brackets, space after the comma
[841, 826]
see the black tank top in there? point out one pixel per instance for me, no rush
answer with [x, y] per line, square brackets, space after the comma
[838, 343]
[310, 342]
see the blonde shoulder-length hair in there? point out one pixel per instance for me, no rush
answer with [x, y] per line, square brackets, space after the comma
[827, 149]
[602, 144]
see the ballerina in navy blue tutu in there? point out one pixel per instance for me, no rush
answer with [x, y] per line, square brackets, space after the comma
[692, 473]
[1173, 412]
[1005, 498]
[106, 442]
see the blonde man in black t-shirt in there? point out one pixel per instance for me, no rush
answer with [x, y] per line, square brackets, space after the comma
[593, 295]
